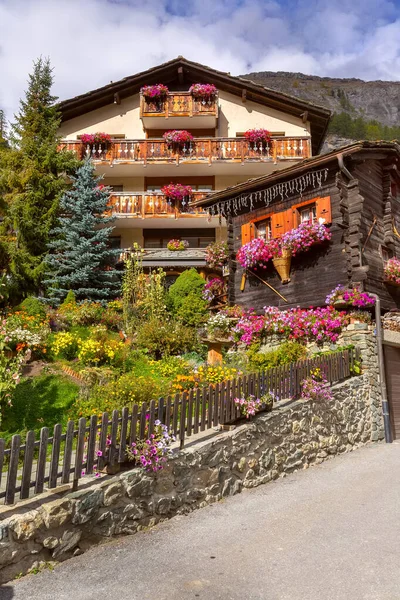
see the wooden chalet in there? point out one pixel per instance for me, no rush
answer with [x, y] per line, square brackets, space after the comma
[355, 189]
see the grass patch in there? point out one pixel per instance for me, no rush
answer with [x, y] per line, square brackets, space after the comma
[38, 402]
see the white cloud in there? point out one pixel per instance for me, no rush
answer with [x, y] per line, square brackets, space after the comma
[91, 42]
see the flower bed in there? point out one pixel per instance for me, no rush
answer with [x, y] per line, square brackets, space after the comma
[258, 252]
[203, 90]
[176, 191]
[392, 271]
[177, 137]
[314, 324]
[217, 254]
[175, 245]
[257, 136]
[350, 297]
[159, 91]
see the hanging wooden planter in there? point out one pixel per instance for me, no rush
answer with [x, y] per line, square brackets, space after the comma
[282, 265]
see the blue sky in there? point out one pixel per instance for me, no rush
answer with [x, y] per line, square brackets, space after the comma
[91, 42]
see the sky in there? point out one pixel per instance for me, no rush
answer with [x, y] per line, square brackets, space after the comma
[93, 42]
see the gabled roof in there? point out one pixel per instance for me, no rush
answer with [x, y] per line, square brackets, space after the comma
[180, 70]
[362, 149]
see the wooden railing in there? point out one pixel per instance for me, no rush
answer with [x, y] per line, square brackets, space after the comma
[201, 150]
[99, 443]
[147, 204]
[179, 104]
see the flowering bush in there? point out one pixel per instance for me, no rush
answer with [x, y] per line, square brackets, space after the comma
[203, 90]
[257, 136]
[10, 368]
[177, 137]
[248, 406]
[155, 92]
[151, 454]
[217, 254]
[315, 324]
[304, 236]
[392, 270]
[176, 191]
[95, 138]
[258, 252]
[316, 387]
[174, 245]
[353, 297]
[26, 330]
[211, 374]
[213, 288]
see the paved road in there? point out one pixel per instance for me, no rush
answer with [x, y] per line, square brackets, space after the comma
[329, 533]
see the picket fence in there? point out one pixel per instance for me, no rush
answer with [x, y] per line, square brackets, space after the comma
[99, 445]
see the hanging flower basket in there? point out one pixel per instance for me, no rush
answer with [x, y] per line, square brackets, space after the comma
[282, 265]
[217, 255]
[178, 138]
[392, 272]
[154, 93]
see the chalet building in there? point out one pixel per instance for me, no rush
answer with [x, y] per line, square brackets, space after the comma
[137, 162]
[354, 191]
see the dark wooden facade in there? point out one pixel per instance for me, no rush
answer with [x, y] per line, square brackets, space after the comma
[362, 183]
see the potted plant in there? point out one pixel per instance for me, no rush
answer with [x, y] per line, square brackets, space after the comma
[342, 297]
[177, 138]
[214, 288]
[217, 254]
[392, 271]
[258, 139]
[177, 245]
[203, 91]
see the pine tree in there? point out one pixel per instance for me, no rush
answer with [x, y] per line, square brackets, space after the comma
[32, 179]
[80, 256]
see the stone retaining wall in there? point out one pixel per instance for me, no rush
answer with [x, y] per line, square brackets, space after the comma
[293, 436]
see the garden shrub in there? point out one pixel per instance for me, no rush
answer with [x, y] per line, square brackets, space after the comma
[33, 307]
[193, 310]
[188, 283]
[163, 339]
[287, 352]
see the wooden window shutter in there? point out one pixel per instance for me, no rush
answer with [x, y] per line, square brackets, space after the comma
[324, 209]
[248, 233]
[289, 220]
[278, 221]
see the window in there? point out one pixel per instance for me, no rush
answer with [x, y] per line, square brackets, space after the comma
[386, 254]
[308, 214]
[115, 242]
[116, 188]
[264, 229]
[159, 238]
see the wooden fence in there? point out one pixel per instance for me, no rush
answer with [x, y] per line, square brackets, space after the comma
[100, 443]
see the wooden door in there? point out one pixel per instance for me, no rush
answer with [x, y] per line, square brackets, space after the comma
[392, 369]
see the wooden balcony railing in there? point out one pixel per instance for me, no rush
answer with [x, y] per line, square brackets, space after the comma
[179, 104]
[201, 150]
[145, 205]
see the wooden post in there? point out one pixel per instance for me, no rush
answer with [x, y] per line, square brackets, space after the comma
[214, 356]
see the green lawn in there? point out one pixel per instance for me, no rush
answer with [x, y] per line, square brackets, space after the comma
[38, 402]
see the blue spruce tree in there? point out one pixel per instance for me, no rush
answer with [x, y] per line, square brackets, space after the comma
[80, 257]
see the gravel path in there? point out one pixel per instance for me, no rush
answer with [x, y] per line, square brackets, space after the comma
[329, 533]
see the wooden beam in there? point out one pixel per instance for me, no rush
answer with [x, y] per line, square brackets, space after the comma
[244, 96]
[117, 98]
[304, 116]
[180, 74]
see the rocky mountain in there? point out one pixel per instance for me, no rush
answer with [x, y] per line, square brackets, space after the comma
[369, 109]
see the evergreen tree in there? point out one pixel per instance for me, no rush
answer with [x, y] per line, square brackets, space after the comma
[32, 179]
[80, 256]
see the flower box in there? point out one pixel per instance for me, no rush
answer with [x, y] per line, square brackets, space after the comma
[392, 272]
[177, 191]
[342, 297]
[258, 138]
[177, 245]
[154, 93]
[177, 138]
[203, 90]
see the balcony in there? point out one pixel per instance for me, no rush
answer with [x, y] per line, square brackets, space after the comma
[175, 108]
[202, 151]
[145, 205]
